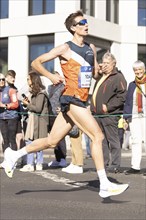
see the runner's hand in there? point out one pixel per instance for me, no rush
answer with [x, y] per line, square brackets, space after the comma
[56, 79]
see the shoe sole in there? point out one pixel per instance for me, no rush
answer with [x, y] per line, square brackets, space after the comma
[9, 172]
[106, 194]
[72, 172]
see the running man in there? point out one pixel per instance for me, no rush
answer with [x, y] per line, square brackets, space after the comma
[78, 63]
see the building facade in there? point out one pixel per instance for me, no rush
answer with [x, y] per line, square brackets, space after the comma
[29, 28]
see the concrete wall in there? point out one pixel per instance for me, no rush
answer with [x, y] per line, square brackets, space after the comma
[19, 26]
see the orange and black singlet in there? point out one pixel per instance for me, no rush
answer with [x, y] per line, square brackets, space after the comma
[78, 71]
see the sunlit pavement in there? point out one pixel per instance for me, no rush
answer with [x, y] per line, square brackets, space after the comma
[53, 194]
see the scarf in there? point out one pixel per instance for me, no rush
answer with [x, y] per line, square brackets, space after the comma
[139, 92]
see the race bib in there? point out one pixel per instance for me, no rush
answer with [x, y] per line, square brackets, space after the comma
[85, 76]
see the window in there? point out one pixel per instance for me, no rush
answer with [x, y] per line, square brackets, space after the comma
[39, 45]
[102, 46]
[142, 52]
[142, 12]
[4, 4]
[112, 11]
[39, 7]
[3, 55]
[88, 7]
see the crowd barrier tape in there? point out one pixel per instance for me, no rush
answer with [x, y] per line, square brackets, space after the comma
[94, 115]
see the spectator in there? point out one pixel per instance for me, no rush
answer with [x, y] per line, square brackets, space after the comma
[77, 59]
[107, 104]
[8, 115]
[76, 165]
[54, 93]
[37, 126]
[135, 115]
[10, 80]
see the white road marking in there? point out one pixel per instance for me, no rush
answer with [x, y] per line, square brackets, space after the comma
[58, 179]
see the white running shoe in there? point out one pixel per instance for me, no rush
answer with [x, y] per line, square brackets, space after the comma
[27, 168]
[39, 167]
[70, 166]
[74, 169]
[10, 161]
[113, 190]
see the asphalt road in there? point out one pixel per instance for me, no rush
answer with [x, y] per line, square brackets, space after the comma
[52, 194]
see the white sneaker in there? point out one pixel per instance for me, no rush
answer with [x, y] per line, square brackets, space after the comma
[113, 190]
[66, 169]
[27, 168]
[62, 163]
[10, 161]
[74, 169]
[53, 163]
[39, 167]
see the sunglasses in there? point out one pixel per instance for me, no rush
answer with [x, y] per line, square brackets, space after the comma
[2, 79]
[81, 23]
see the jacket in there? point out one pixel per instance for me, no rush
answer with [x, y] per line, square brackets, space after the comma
[39, 105]
[127, 113]
[112, 93]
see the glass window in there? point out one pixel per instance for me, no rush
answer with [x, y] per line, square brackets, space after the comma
[3, 55]
[142, 52]
[102, 46]
[142, 12]
[50, 6]
[88, 7]
[39, 7]
[39, 45]
[4, 4]
[112, 11]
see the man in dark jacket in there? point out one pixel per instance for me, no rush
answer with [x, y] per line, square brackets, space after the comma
[107, 105]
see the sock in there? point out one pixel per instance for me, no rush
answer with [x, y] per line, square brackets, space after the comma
[20, 153]
[104, 182]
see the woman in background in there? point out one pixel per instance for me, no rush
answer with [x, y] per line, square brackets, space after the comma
[37, 127]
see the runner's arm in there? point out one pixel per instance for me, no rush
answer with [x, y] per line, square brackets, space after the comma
[37, 64]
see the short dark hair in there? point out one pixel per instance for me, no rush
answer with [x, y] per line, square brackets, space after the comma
[70, 20]
[11, 73]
